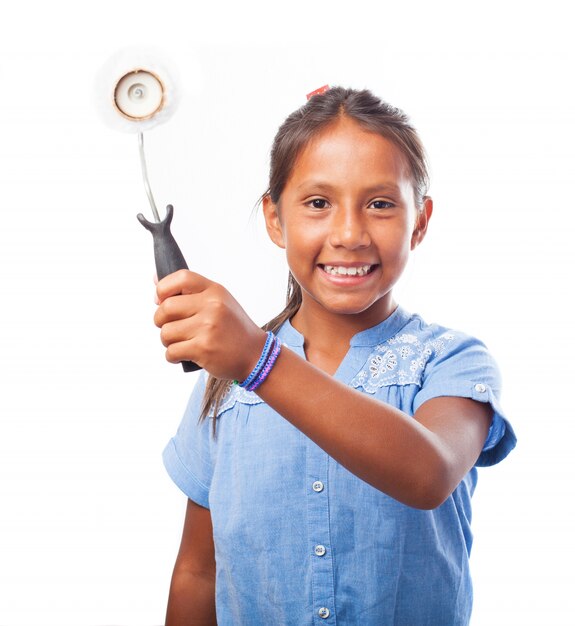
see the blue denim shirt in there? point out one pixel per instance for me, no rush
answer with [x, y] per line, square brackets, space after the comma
[298, 538]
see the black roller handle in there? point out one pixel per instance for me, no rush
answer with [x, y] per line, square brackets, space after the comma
[168, 256]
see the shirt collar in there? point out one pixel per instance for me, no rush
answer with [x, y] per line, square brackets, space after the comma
[368, 337]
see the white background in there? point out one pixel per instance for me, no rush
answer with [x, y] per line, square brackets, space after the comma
[90, 522]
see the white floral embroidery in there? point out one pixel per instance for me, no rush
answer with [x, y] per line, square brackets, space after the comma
[381, 364]
[404, 338]
[399, 361]
[237, 394]
[405, 351]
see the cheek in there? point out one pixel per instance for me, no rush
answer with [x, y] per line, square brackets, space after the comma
[303, 236]
[395, 239]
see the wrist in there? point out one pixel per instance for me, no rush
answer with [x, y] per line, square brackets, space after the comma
[265, 362]
[252, 356]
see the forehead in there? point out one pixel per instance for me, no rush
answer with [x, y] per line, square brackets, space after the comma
[347, 151]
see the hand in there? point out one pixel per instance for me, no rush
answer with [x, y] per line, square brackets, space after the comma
[200, 321]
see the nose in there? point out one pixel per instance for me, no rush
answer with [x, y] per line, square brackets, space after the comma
[348, 228]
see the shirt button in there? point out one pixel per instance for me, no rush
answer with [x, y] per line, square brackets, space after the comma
[480, 387]
[317, 486]
[323, 612]
[320, 550]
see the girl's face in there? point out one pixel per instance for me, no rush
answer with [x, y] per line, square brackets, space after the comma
[347, 219]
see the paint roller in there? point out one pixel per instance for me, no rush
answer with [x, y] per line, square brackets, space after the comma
[136, 90]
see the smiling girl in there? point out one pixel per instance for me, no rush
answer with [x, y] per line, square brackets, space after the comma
[332, 484]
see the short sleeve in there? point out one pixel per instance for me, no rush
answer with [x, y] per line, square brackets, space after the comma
[464, 368]
[187, 457]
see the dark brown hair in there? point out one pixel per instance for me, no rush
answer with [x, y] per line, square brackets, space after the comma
[293, 135]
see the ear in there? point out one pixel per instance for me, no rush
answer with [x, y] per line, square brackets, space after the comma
[422, 222]
[273, 223]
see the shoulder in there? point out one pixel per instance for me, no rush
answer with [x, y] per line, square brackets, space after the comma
[434, 337]
[426, 361]
[408, 355]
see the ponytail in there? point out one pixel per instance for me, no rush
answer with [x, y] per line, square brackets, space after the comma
[217, 388]
[294, 134]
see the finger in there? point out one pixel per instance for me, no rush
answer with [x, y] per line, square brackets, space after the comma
[181, 282]
[174, 308]
[175, 332]
[181, 351]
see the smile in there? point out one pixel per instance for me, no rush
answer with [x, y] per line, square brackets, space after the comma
[340, 270]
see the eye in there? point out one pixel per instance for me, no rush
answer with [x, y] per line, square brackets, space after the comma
[381, 204]
[318, 203]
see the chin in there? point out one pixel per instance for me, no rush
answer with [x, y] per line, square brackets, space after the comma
[347, 308]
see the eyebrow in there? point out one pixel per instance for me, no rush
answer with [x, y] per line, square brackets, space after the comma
[324, 186]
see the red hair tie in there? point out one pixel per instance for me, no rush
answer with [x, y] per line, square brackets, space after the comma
[317, 92]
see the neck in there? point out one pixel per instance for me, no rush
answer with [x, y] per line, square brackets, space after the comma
[327, 335]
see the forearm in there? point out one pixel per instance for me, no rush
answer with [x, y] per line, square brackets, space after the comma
[375, 441]
[192, 600]
[419, 460]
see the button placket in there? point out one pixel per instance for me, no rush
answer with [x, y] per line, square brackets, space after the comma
[318, 535]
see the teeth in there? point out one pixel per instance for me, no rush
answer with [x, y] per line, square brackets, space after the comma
[338, 270]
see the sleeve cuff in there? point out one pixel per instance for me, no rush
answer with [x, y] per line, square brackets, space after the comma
[501, 439]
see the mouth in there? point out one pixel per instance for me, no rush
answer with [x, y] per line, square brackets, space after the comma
[343, 270]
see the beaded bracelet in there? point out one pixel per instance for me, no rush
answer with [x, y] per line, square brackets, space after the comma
[262, 361]
[277, 346]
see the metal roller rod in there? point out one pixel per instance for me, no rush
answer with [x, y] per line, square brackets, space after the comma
[145, 177]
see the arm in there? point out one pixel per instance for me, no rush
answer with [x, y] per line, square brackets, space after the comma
[192, 599]
[416, 461]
